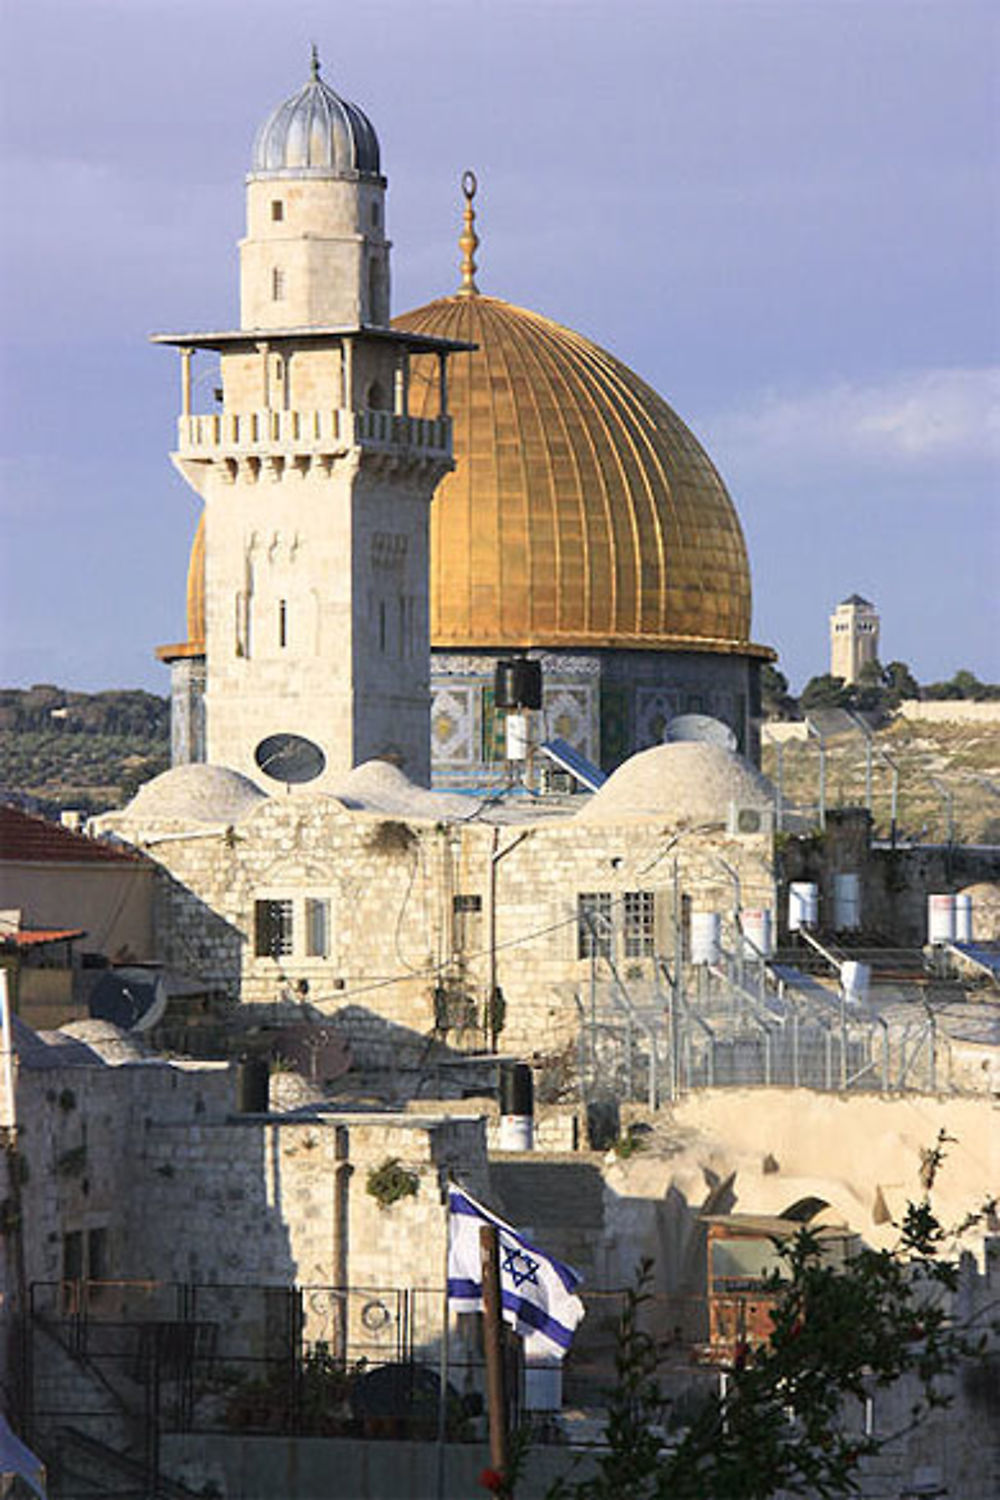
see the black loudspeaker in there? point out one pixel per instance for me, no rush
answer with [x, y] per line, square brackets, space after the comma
[518, 683]
[517, 1095]
[252, 1075]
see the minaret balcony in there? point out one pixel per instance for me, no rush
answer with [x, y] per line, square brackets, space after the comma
[212, 436]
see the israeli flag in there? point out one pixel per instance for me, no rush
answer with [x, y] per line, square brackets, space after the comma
[536, 1291]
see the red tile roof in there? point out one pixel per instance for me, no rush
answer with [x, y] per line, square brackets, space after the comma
[35, 936]
[25, 838]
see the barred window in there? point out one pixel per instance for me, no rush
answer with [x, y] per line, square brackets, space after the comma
[272, 928]
[277, 284]
[317, 927]
[593, 924]
[639, 924]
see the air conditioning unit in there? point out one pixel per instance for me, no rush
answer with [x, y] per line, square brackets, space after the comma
[749, 820]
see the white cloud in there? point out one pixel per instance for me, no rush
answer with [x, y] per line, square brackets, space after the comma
[916, 420]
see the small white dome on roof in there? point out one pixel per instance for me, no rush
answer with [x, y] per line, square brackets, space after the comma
[196, 793]
[684, 782]
[379, 786]
[107, 1041]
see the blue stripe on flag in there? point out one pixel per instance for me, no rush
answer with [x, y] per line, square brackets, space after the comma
[527, 1312]
[458, 1203]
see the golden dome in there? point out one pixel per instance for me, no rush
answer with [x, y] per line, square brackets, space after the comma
[195, 643]
[581, 511]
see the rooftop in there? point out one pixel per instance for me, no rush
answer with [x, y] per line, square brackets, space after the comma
[32, 840]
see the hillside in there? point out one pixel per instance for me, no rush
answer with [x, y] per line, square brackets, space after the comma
[89, 751]
[935, 761]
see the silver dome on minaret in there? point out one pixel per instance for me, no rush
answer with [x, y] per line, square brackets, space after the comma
[316, 134]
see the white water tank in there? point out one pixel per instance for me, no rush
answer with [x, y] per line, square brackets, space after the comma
[706, 937]
[517, 736]
[846, 902]
[941, 918]
[803, 905]
[963, 918]
[758, 936]
[855, 977]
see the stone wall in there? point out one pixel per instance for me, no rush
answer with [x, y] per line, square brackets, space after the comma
[951, 711]
[421, 918]
[184, 1189]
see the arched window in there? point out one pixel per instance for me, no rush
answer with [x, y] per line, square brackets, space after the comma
[376, 396]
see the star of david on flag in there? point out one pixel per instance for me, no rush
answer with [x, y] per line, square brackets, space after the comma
[536, 1290]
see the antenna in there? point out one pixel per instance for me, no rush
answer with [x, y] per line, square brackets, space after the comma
[290, 758]
[133, 998]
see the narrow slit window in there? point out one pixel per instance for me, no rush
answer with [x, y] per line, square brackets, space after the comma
[317, 927]
[277, 210]
[282, 622]
[277, 284]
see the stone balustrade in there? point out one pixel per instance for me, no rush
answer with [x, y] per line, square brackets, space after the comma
[217, 434]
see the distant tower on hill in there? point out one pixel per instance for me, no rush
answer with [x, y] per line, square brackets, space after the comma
[853, 637]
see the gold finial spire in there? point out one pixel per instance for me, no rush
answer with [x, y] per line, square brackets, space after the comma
[469, 240]
[314, 63]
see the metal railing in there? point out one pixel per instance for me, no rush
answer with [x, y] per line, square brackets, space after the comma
[742, 1022]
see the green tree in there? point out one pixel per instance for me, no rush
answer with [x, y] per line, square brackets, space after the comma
[900, 683]
[964, 684]
[825, 691]
[776, 700]
[839, 1333]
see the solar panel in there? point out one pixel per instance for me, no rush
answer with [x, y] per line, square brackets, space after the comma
[987, 956]
[578, 766]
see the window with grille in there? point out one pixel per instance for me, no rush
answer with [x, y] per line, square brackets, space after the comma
[277, 284]
[272, 928]
[593, 924]
[317, 927]
[639, 926]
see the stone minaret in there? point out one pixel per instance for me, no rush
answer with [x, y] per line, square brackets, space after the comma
[853, 637]
[317, 482]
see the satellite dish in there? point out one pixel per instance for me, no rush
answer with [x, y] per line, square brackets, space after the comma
[701, 728]
[132, 998]
[290, 758]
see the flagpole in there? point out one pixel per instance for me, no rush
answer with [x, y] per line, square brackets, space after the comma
[496, 1395]
[442, 1430]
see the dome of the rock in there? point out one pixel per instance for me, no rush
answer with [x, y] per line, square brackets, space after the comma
[583, 523]
[582, 511]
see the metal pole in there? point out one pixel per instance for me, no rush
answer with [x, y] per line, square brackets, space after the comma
[843, 1038]
[9, 1120]
[895, 807]
[672, 1076]
[442, 1426]
[779, 750]
[822, 785]
[496, 1392]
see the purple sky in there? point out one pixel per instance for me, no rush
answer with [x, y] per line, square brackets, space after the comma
[784, 216]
